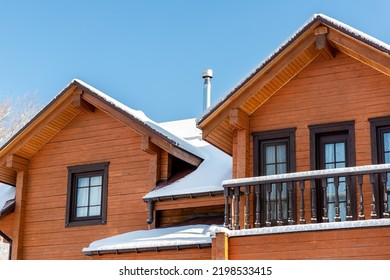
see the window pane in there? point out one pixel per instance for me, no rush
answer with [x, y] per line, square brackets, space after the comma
[281, 168]
[386, 141]
[270, 154]
[281, 153]
[83, 182]
[330, 165]
[340, 152]
[96, 181]
[95, 196]
[329, 153]
[270, 169]
[82, 197]
[82, 212]
[94, 211]
[387, 158]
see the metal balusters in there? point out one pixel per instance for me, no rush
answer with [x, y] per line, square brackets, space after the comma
[237, 208]
[373, 201]
[384, 186]
[290, 218]
[269, 208]
[313, 194]
[324, 186]
[257, 203]
[247, 215]
[361, 201]
[337, 217]
[349, 216]
[302, 203]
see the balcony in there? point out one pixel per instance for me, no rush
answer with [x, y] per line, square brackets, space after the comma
[318, 196]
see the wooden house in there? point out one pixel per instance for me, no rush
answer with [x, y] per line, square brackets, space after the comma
[308, 132]
[88, 167]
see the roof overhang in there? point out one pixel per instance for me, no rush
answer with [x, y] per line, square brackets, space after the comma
[320, 36]
[78, 97]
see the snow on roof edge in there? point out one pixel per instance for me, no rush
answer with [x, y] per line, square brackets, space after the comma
[141, 117]
[154, 238]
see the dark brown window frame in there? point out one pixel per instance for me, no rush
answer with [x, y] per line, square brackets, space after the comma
[378, 126]
[318, 130]
[259, 139]
[73, 172]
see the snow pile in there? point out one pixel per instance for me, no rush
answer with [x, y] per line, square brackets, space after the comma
[215, 168]
[154, 239]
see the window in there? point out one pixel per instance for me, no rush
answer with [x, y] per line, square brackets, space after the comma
[380, 153]
[333, 146]
[274, 153]
[87, 194]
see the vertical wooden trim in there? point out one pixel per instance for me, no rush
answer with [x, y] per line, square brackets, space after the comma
[220, 247]
[19, 220]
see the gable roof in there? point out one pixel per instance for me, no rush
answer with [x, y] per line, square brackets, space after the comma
[76, 97]
[321, 35]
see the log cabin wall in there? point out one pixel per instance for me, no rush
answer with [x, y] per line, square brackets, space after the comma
[88, 138]
[327, 91]
[347, 244]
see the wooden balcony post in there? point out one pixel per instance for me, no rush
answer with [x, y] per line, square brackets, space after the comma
[349, 216]
[257, 202]
[325, 217]
[337, 217]
[373, 200]
[269, 208]
[226, 222]
[313, 195]
[247, 215]
[237, 208]
[302, 219]
[290, 218]
[361, 199]
[384, 186]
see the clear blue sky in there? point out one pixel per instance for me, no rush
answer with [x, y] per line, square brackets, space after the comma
[150, 54]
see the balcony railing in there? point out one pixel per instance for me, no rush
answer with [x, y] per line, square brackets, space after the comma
[368, 182]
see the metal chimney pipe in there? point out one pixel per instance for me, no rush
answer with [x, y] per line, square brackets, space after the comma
[207, 74]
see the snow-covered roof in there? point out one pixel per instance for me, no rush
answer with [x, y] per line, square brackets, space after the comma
[143, 119]
[7, 197]
[207, 178]
[154, 239]
[355, 33]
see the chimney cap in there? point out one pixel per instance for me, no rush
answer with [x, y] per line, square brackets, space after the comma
[207, 73]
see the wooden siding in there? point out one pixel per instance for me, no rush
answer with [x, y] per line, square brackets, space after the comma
[326, 91]
[361, 243]
[88, 138]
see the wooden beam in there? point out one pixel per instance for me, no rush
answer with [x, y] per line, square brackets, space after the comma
[220, 246]
[148, 147]
[239, 119]
[19, 219]
[322, 43]
[82, 105]
[17, 163]
[361, 48]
